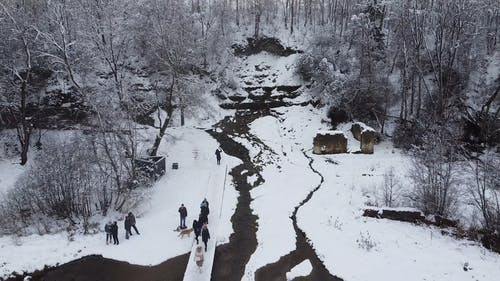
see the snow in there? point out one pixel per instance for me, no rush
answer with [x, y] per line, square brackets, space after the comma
[215, 196]
[302, 269]
[252, 179]
[288, 175]
[10, 170]
[159, 116]
[352, 247]
[194, 150]
[330, 132]
[332, 219]
[265, 69]
[493, 69]
[364, 127]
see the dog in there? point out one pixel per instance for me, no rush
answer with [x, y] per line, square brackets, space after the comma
[185, 232]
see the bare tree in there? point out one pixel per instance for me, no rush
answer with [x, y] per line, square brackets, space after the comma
[391, 188]
[18, 64]
[434, 175]
[485, 189]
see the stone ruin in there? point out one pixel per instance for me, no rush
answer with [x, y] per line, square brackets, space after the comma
[365, 135]
[330, 142]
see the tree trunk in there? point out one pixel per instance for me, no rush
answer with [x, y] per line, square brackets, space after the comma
[170, 108]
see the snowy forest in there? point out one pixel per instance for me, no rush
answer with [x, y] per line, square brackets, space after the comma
[89, 86]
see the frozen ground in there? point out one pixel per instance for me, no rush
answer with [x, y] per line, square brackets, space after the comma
[352, 247]
[197, 177]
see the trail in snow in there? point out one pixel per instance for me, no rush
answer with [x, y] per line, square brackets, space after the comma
[216, 186]
[158, 247]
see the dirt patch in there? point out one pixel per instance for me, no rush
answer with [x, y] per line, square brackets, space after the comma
[95, 267]
[266, 104]
[257, 45]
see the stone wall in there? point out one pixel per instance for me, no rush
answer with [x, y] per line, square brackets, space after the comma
[330, 143]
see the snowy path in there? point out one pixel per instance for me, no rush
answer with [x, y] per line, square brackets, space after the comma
[157, 217]
[214, 195]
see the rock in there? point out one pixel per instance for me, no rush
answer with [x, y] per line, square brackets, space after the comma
[408, 216]
[444, 222]
[365, 135]
[371, 213]
[267, 44]
[356, 131]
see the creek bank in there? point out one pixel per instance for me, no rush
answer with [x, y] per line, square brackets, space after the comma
[231, 258]
[277, 271]
[96, 267]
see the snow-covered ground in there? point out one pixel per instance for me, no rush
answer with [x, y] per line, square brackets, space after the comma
[9, 172]
[287, 179]
[267, 70]
[352, 247]
[198, 177]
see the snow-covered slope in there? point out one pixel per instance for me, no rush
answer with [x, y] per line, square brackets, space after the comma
[194, 150]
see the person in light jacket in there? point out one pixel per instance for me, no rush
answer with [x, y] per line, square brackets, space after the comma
[198, 257]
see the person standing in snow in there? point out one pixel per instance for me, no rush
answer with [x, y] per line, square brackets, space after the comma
[198, 257]
[131, 218]
[197, 230]
[114, 232]
[183, 214]
[205, 235]
[204, 211]
[127, 227]
[107, 229]
[217, 155]
[202, 219]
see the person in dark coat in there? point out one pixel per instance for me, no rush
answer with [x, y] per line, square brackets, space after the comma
[114, 232]
[131, 218]
[183, 214]
[217, 155]
[205, 235]
[202, 219]
[127, 227]
[204, 211]
[197, 230]
[107, 229]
